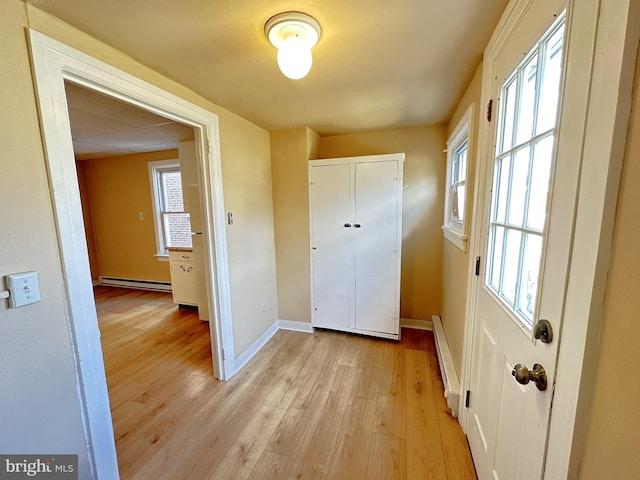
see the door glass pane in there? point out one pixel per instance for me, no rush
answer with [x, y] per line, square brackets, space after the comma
[510, 266]
[529, 275]
[550, 82]
[496, 266]
[501, 190]
[539, 187]
[518, 186]
[522, 172]
[509, 100]
[526, 105]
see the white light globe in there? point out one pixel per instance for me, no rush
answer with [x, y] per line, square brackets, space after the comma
[294, 58]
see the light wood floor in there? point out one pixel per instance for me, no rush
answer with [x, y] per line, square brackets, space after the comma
[323, 405]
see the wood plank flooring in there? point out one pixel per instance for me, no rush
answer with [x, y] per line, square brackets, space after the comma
[325, 405]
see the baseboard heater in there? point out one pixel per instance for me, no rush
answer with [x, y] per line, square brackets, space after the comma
[447, 370]
[135, 283]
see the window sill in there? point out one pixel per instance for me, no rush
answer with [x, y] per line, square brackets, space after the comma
[455, 237]
[162, 257]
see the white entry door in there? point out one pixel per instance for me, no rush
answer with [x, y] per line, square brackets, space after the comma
[525, 212]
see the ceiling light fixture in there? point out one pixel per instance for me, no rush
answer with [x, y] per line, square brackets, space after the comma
[294, 34]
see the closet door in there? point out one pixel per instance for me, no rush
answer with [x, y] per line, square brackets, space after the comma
[377, 250]
[330, 244]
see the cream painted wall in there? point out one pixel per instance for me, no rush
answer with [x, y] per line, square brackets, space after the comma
[289, 157]
[612, 446]
[455, 262]
[313, 144]
[424, 172]
[119, 189]
[40, 411]
[246, 170]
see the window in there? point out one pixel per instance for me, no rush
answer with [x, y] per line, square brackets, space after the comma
[522, 174]
[172, 223]
[454, 227]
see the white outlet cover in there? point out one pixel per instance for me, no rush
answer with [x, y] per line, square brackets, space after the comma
[24, 289]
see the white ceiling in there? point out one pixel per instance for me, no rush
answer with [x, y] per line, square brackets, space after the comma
[379, 63]
[102, 126]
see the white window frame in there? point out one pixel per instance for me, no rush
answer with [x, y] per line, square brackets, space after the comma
[455, 231]
[155, 167]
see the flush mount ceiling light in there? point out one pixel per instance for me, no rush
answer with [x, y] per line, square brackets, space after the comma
[294, 34]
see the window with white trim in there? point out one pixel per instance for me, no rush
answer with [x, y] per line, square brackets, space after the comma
[455, 204]
[172, 223]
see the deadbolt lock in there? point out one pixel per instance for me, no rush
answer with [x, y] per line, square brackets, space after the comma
[543, 331]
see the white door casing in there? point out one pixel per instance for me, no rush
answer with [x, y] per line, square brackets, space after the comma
[53, 64]
[588, 81]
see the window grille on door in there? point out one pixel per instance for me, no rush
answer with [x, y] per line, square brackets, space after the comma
[523, 165]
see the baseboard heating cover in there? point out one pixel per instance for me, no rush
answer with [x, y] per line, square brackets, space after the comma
[447, 370]
[135, 283]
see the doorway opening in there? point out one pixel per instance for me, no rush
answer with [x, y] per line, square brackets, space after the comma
[137, 213]
[53, 64]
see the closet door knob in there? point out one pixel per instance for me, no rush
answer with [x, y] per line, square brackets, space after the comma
[357, 225]
[348, 225]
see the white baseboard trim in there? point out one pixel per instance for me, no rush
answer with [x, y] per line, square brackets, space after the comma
[305, 327]
[447, 368]
[255, 347]
[416, 324]
[135, 283]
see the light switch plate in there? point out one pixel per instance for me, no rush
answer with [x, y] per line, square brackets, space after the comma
[24, 289]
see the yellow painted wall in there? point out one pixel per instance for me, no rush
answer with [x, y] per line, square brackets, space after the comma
[40, 410]
[119, 189]
[424, 172]
[313, 144]
[290, 152]
[246, 169]
[455, 262]
[612, 446]
[289, 161]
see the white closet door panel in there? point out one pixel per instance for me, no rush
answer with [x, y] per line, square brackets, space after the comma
[376, 246]
[330, 187]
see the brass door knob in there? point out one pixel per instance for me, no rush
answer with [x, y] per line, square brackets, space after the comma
[523, 375]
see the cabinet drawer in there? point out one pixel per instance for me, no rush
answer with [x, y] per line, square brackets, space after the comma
[178, 256]
[184, 282]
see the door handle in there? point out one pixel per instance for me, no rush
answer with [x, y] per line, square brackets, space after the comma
[357, 225]
[348, 225]
[523, 375]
